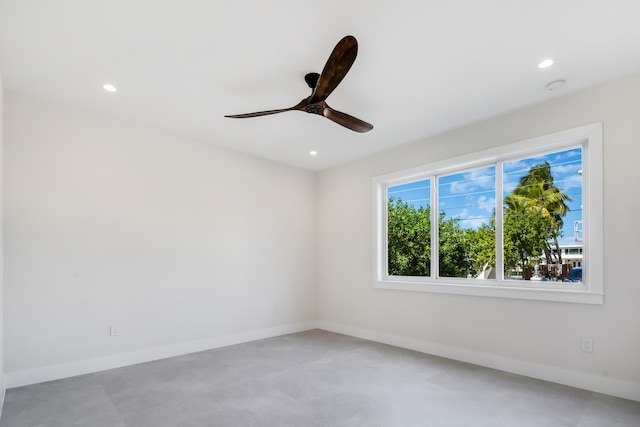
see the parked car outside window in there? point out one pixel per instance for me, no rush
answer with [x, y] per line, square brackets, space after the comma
[575, 275]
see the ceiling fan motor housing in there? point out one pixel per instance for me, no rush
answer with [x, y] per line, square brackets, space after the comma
[314, 108]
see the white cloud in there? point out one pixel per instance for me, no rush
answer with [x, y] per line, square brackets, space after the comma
[468, 220]
[486, 204]
[478, 179]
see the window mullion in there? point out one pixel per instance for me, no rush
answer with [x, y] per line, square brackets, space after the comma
[435, 264]
[499, 224]
[384, 231]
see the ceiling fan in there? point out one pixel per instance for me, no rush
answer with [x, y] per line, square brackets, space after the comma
[337, 66]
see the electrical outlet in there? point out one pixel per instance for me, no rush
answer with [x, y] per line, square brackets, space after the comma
[587, 345]
[114, 331]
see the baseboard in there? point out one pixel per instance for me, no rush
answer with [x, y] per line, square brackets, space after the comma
[582, 380]
[3, 390]
[87, 366]
[586, 381]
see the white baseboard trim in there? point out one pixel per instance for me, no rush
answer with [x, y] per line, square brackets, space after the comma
[582, 380]
[87, 366]
[586, 381]
[3, 390]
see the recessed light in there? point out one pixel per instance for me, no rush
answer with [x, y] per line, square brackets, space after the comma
[109, 87]
[546, 63]
[555, 85]
[313, 153]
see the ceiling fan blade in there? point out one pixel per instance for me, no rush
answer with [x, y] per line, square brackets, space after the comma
[337, 66]
[257, 113]
[300, 106]
[346, 120]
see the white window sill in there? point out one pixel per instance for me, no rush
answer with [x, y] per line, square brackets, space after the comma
[540, 291]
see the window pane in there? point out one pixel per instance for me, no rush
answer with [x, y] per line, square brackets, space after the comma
[409, 229]
[543, 217]
[466, 230]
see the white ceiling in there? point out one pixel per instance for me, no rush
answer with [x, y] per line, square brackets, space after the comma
[423, 67]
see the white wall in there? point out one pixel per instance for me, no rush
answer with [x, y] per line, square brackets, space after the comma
[178, 242]
[2, 382]
[536, 338]
[173, 241]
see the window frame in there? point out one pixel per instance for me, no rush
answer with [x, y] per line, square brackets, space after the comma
[590, 291]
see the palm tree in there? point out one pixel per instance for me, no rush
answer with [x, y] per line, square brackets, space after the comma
[536, 193]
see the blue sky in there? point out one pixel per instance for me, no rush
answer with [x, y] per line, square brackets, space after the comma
[470, 195]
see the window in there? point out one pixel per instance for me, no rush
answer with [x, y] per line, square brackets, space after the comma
[542, 199]
[466, 203]
[409, 230]
[508, 222]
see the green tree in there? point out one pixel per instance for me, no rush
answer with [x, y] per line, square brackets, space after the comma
[409, 242]
[454, 248]
[525, 238]
[408, 239]
[482, 246]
